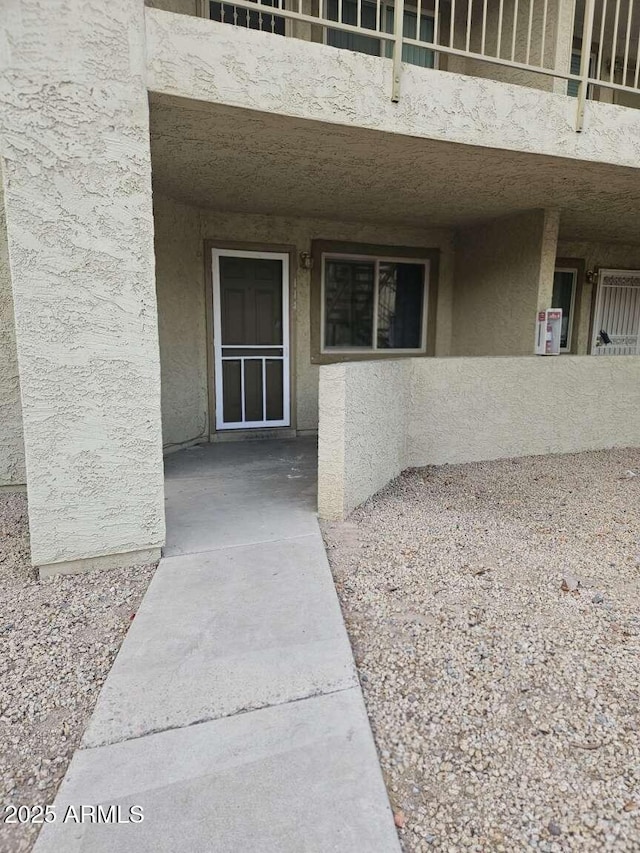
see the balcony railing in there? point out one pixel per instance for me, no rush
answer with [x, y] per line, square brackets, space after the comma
[536, 43]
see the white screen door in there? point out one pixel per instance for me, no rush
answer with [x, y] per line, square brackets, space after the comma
[251, 339]
[616, 325]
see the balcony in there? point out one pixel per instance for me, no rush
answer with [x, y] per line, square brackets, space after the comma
[532, 43]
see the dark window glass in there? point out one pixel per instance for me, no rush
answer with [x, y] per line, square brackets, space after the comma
[573, 86]
[421, 56]
[227, 13]
[348, 303]
[353, 41]
[400, 305]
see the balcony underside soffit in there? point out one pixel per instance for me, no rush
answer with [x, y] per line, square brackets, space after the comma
[242, 161]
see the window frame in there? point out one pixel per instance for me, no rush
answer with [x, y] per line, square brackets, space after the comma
[386, 6]
[576, 266]
[572, 306]
[377, 260]
[405, 254]
[576, 50]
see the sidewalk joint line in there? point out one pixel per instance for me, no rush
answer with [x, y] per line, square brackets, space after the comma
[241, 711]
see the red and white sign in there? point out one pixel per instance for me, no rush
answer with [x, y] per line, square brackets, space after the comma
[549, 331]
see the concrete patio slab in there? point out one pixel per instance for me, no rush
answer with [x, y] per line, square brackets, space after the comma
[221, 495]
[287, 779]
[266, 461]
[223, 632]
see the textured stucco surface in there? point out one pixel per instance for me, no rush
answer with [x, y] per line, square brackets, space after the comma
[75, 141]
[364, 410]
[200, 59]
[181, 230]
[471, 409]
[503, 273]
[12, 470]
[448, 410]
[181, 322]
[251, 161]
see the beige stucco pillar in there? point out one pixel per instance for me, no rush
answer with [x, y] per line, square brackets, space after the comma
[548, 253]
[503, 275]
[77, 178]
[12, 471]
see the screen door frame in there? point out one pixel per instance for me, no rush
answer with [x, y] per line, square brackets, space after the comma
[221, 424]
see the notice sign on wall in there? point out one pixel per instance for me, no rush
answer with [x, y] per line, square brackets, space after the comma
[549, 331]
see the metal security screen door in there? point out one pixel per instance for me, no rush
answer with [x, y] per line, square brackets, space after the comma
[616, 327]
[251, 339]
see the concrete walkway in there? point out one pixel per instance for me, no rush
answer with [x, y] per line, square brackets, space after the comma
[233, 714]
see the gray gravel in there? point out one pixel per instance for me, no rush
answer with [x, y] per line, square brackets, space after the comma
[494, 611]
[58, 639]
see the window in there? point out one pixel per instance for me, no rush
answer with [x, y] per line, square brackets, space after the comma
[373, 304]
[353, 41]
[411, 54]
[564, 296]
[369, 12]
[227, 13]
[573, 86]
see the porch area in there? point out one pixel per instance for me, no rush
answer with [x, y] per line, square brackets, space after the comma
[225, 494]
[429, 260]
[233, 712]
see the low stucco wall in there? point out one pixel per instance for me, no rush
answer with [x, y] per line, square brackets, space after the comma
[471, 409]
[363, 429]
[452, 410]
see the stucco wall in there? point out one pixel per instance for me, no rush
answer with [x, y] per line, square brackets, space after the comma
[180, 232]
[444, 411]
[603, 255]
[75, 141]
[12, 470]
[503, 273]
[181, 322]
[241, 68]
[364, 411]
[470, 409]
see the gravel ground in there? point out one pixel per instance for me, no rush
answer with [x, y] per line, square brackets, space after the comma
[505, 708]
[58, 639]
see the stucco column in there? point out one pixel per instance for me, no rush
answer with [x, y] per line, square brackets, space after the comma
[503, 276]
[77, 178]
[548, 253]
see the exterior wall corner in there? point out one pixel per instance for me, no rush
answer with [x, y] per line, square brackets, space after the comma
[12, 464]
[75, 134]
